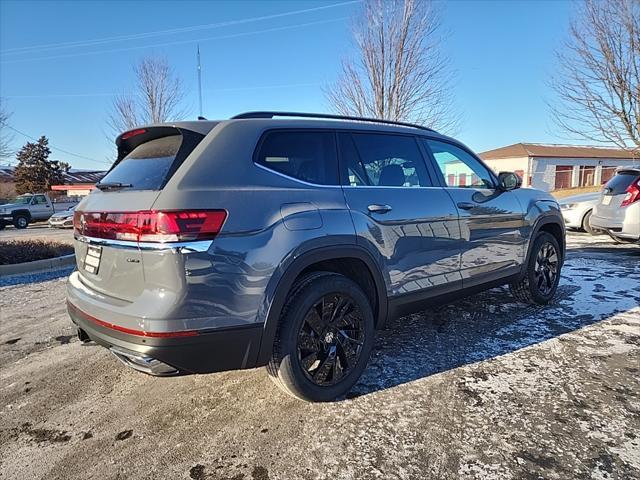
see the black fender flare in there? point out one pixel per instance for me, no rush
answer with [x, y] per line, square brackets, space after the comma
[296, 267]
[539, 223]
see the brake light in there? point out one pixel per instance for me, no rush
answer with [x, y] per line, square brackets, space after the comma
[151, 225]
[633, 193]
[133, 133]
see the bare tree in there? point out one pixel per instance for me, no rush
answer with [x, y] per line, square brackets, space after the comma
[598, 85]
[399, 72]
[157, 97]
[6, 137]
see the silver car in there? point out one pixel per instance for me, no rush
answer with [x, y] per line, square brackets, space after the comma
[286, 242]
[618, 210]
[577, 210]
[62, 219]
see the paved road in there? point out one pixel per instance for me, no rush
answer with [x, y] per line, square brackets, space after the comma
[37, 231]
[480, 389]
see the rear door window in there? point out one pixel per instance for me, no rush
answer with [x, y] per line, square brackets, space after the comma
[305, 155]
[150, 165]
[383, 160]
[620, 182]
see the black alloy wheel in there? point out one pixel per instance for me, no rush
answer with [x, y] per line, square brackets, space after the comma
[330, 339]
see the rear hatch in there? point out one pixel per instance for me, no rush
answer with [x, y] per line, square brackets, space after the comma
[106, 222]
[614, 194]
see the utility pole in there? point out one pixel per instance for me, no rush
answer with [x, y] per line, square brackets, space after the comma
[199, 82]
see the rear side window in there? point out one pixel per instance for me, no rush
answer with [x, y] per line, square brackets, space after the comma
[150, 165]
[306, 155]
[620, 182]
[382, 160]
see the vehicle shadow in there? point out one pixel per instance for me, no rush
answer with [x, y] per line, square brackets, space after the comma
[491, 324]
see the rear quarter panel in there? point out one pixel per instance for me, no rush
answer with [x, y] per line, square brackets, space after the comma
[271, 220]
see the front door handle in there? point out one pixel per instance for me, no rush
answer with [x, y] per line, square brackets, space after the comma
[466, 205]
[378, 208]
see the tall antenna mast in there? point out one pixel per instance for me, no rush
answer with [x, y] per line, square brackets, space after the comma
[199, 81]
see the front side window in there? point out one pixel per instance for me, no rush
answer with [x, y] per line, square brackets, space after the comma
[372, 159]
[459, 168]
[306, 155]
[40, 200]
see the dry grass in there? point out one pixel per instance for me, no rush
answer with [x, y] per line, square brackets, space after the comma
[16, 251]
[567, 192]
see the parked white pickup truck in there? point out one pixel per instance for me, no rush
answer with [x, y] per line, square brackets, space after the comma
[30, 207]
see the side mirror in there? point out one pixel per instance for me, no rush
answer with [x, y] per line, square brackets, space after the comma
[509, 181]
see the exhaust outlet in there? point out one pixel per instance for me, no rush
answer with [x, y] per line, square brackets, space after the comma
[143, 363]
[83, 336]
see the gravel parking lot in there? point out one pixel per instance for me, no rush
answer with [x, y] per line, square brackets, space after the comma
[484, 388]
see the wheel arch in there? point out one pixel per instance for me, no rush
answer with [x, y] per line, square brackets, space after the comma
[22, 212]
[340, 259]
[552, 225]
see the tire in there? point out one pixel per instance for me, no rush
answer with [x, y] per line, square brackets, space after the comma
[531, 288]
[309, 362]
[21, 222]
[586, 225]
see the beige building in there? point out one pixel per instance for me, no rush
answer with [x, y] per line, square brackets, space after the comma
[553, 167]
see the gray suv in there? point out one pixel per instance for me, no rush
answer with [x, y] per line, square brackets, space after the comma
[288, 241]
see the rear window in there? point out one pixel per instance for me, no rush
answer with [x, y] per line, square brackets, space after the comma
[150, 165]
[620, 182]
[306, 155]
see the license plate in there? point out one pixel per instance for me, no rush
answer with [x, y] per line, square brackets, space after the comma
[606, 199]
[92, 259]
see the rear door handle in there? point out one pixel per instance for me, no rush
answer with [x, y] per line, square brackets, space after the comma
[378, 208]
[466, 205]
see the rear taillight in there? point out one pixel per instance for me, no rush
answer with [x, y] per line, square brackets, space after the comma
[150, 225]
[633, 193]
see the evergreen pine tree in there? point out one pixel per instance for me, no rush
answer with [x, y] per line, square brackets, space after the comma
[35, 172]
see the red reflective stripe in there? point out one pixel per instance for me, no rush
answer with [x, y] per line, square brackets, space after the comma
[130, 331]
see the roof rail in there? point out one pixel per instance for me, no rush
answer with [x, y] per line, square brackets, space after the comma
[328, 116]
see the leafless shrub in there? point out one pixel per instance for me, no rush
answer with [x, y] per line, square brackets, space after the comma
[6, 137]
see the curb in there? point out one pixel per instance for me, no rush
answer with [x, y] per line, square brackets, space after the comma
[38, 265]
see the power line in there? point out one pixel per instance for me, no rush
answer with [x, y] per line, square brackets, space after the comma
[178, 42]
[226, 89]
[56, 148]
[121, 38]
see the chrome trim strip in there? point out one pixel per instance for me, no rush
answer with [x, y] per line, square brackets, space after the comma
[175, 247]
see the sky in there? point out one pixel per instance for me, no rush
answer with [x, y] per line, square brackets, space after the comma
[260, 55]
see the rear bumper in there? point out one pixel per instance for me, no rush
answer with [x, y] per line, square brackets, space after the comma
[628, 229]
[205, 352]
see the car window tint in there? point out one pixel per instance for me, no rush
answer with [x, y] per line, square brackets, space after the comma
[306, 155]
[620, 182]
[385, 161]
[458, 167]
[148, 165]
[352, 171]
[40, 200]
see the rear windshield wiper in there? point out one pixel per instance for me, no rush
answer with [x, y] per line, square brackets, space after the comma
[112, 185]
